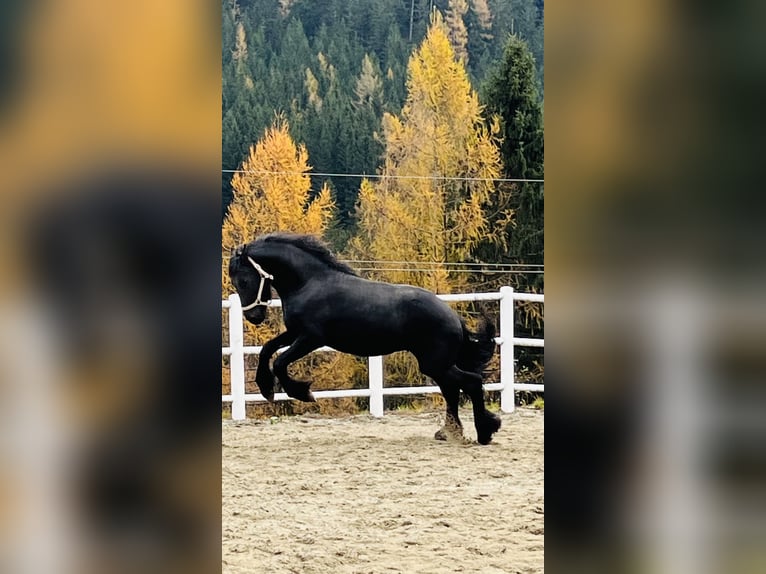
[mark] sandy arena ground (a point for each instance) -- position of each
(360, 495)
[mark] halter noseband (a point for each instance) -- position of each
(264, 276)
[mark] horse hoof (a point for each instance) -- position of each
(489, 426)
(298, 390)
(303, 394)
(445, 433)
(267, 391)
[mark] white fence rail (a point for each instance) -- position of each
(375, 390)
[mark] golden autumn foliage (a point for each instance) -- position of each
(428, 206)
(458, 33)
(272, 193)
(483, 15)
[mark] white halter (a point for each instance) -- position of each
(264, 276)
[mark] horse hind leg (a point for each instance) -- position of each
(432, 365)
(453, 428)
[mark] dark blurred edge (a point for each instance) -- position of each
(11, 13)
(140, 244)
(656, 263)
(122, 250)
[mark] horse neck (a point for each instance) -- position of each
(292, 271)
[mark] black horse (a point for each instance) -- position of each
(324, 302)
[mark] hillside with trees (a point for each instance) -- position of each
(447, 127)
(335, 67)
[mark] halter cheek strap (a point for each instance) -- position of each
(264, 276)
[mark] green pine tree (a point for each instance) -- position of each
(511, 93)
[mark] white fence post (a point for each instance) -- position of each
(376, 386)
(236, 359)
(507, 367)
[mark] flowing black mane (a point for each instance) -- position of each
(312, 246)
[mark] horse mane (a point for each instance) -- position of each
(313, 246)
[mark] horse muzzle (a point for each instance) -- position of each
(256, 315)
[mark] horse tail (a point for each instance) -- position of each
(478, 347)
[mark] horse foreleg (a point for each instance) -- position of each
(264, 378)
(295, 389)
(487, 423)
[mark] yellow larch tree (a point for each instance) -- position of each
(437, 172)
(483, 15)
(457, 32)
(272, 192)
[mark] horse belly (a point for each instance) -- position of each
(370, 335)
(365, 342)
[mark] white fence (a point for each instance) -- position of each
(375, 390)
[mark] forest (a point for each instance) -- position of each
(316, 60)
(438, 103)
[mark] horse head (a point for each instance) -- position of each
(253, 284)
